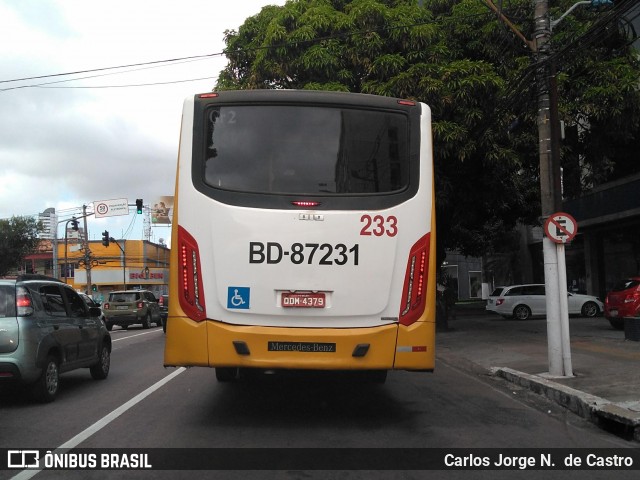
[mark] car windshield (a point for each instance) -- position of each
(626, 284)
(125, 297)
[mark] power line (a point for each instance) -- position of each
(102, 69)
(169, 62)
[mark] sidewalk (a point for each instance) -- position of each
(605, 387)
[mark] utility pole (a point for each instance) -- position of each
(550, 197)
(558, 341)
(87, 252)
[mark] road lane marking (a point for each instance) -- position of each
(136, 335)
(103, 422)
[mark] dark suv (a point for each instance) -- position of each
(47, 329)
(128, 307)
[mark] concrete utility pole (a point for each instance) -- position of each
(558, 341)
(550, 196)
(87, 252)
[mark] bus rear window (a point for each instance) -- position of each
(311, 150)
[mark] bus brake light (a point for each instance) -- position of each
(415, 282)
(191, 288)
(305, 203)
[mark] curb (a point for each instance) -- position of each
(604, 413)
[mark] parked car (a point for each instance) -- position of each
(163, 302)
(129, 307)
(47, 329)
(524, 301)
(491, 301)
(623, 301)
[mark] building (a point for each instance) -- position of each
(607, 247)
(49, 220)
(123, 264)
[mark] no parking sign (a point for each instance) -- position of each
(561, 227)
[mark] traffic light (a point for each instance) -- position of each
(94, 287)
(74, 224)
(139, 205)
(105, 238)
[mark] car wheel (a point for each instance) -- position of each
(226, 374)
(100, 370)
(590, 309)
(109, 326)
(146, 323)
(164, 325)
(46, 387)
(617, 323)
(521, 312)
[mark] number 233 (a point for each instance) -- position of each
(379, 225)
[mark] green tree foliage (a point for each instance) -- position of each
(18, 238)
(474, 73)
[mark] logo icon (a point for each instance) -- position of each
(238, 298)
(23, 459)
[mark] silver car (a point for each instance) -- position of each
(524, 301)
(47, 329)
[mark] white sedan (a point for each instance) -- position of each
(524, 301)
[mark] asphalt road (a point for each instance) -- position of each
(143, 405)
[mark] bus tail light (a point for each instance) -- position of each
(190, 277)
(414, 292)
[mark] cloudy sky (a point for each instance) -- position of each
(65, 143)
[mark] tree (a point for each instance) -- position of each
(474, 73)
(18, 238)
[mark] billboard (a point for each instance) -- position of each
(161, 211)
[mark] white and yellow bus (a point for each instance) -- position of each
(304, 234)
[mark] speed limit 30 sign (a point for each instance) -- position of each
(561, 227)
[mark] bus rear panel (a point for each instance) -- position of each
(304, 233)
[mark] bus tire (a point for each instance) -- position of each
(226, 374)
(378, 376)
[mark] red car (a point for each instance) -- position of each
(623, 301)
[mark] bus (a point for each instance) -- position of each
(303, 234)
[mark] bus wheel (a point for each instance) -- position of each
(226, 374)
(377, 376)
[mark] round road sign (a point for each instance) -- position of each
(561, 227)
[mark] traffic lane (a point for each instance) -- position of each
(136, 363)
(447, 409)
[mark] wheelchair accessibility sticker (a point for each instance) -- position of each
(238, 297)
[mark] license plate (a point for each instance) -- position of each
(303, 300)
(122, 307)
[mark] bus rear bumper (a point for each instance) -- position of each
(219, 344)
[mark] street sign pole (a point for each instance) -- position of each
(564, 311)
(559, 228)
(552, 287)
